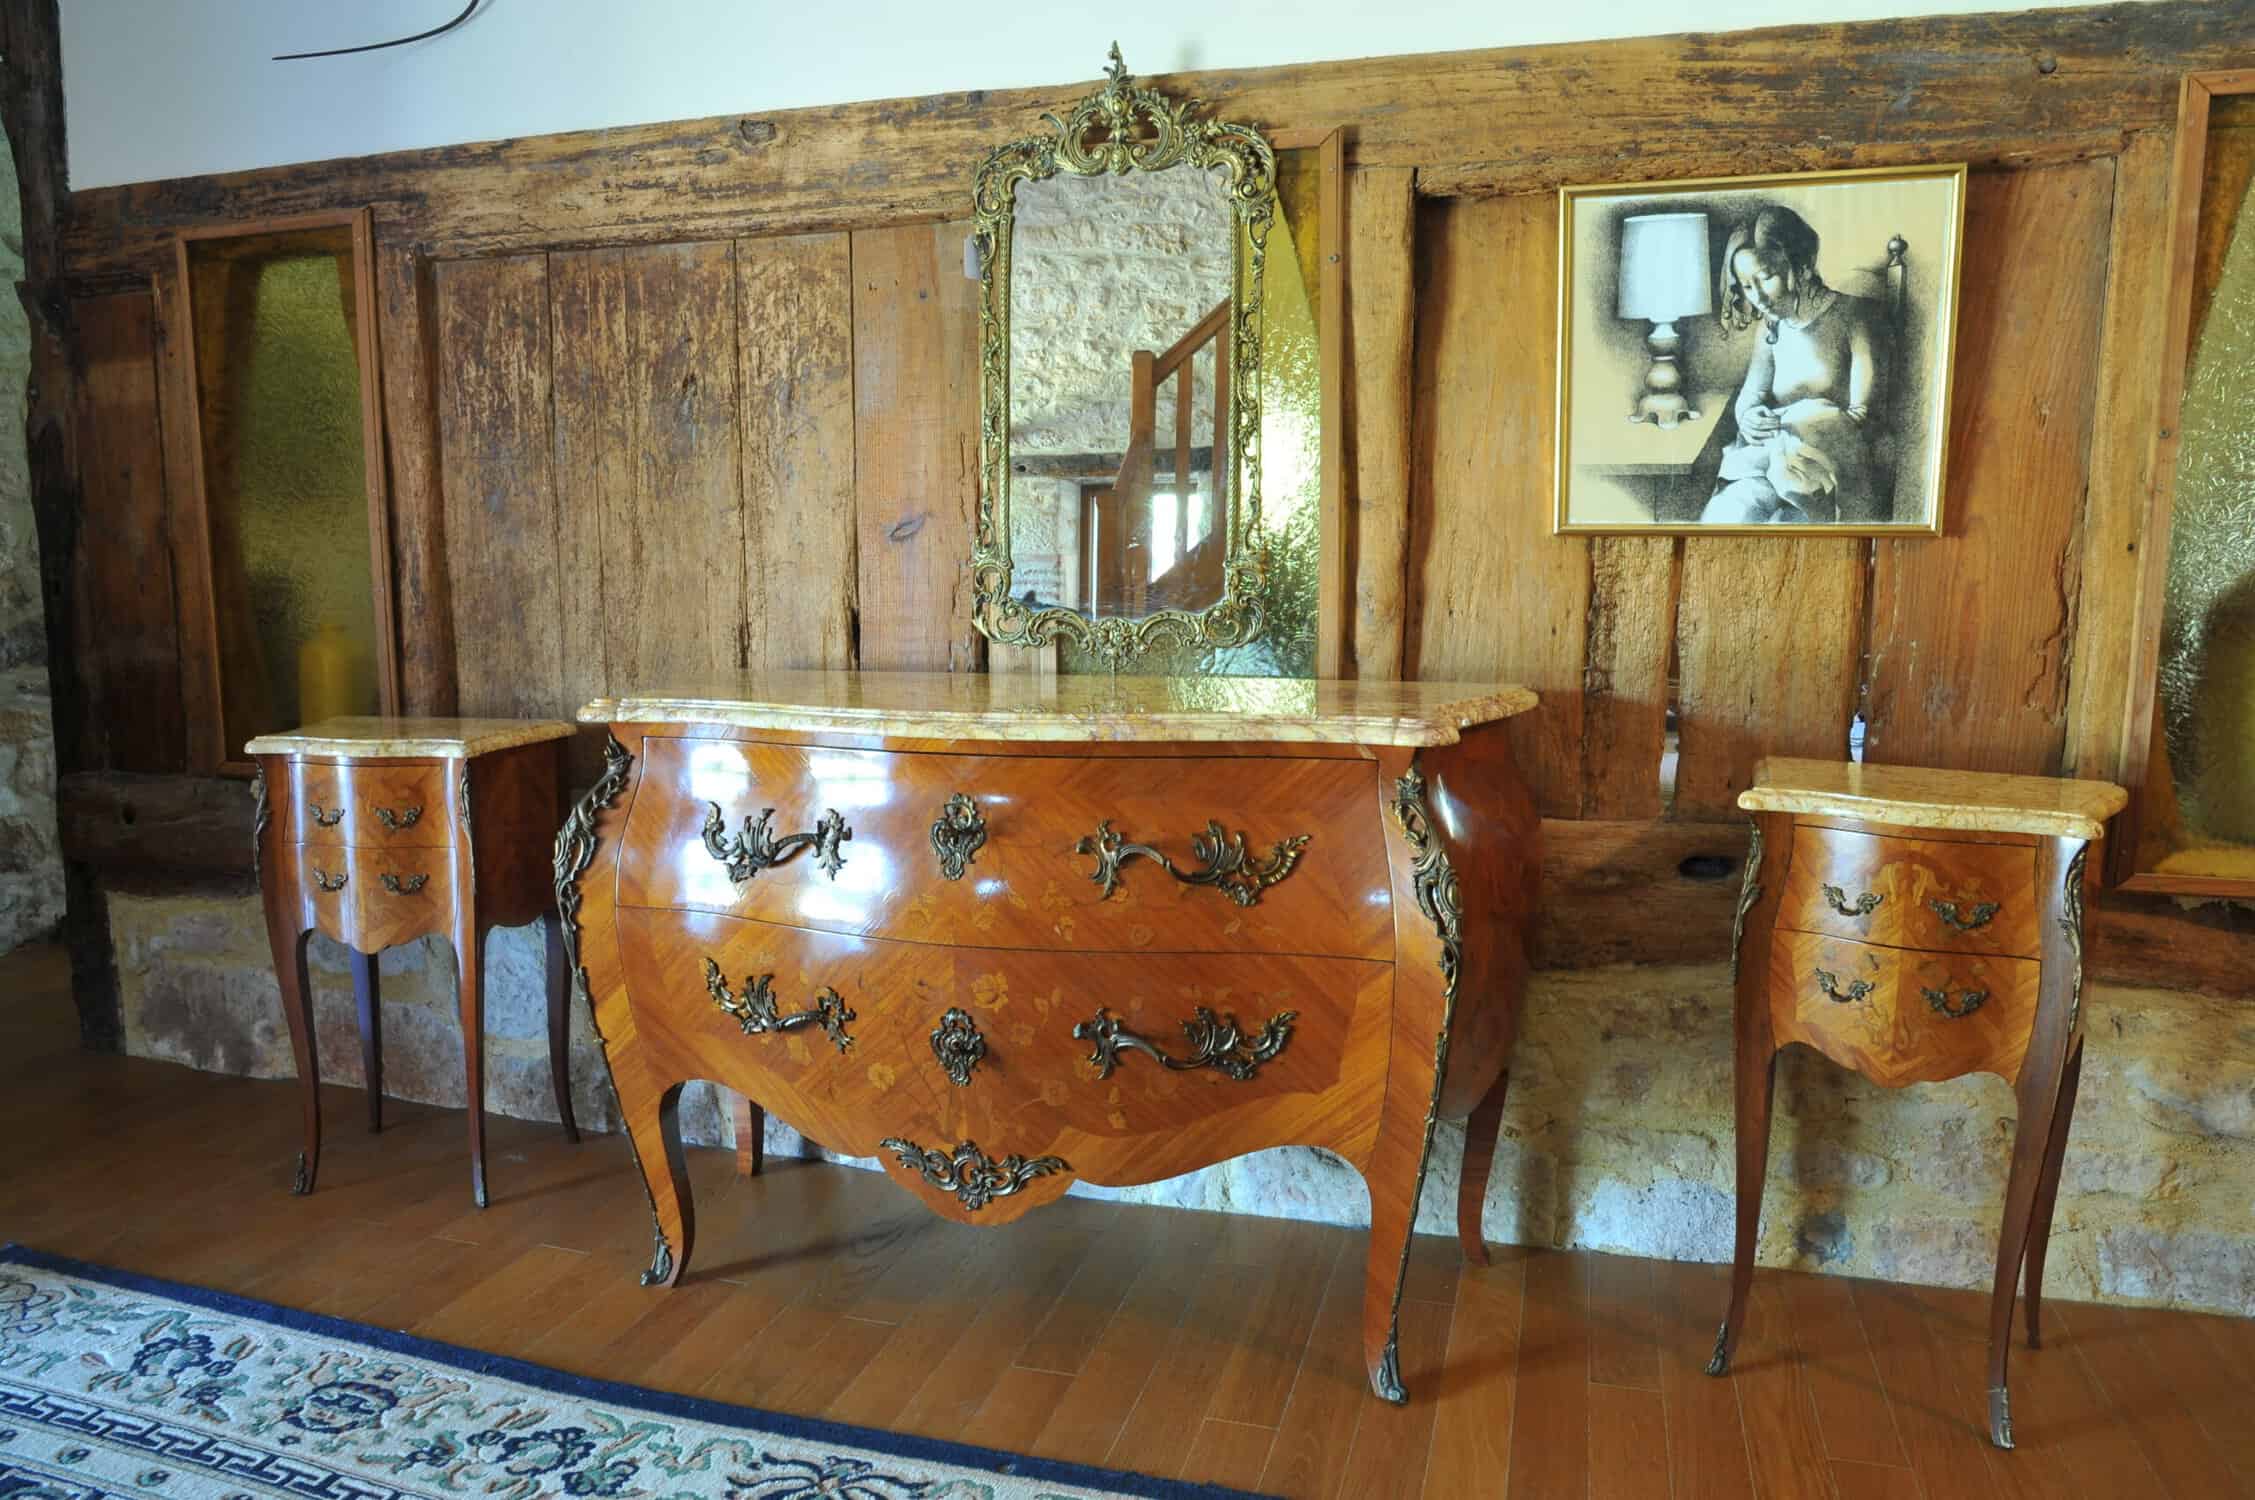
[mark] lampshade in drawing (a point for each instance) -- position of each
(1664, 267)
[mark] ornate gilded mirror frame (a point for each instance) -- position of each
(1119, 129)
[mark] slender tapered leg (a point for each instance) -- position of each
(1757, 1091)
(288, 943)
(1480, 1132)
(751, 1137)
(1753, 1057)
(468, 945)
(560, 1024)
(367, 999)
(653, 1123)
(2047, 1194)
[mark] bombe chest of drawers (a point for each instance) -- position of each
(1004, 934)
(1916, 925)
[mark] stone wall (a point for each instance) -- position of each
(1617, 1137)
(31, 865)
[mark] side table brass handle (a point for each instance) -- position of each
(327, 817)
(1829, 983)
(1964, 919)
(329, 882)
(406, 817)
(1865, 904)
(958, 834)
(1967, 1002)
(1224, 861)
(404, 885)
(1218, 1040)
(755, 1010)
(956, 1042)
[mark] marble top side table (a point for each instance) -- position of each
(379, 831)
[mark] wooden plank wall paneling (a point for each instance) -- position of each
(124, 590)
(794, 338)
(1972, 634)
(504, 571)
(408, 342)
(1493, 595)
(916, 446)
(1632, 612)
(1381, 362)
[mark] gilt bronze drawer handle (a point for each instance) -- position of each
(958, 834)
(1866, 904)
(957, 1044)
(1225, 863)
(1219, 1041)
(1964, 919)
(404, 885)
(327, 817)
(406, 817)
(1829, 983)
(757, 848)
(1967, 1002)
(756, 1012)
(329, 882)
(975, 1178)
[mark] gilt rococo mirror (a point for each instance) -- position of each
(1122, 263)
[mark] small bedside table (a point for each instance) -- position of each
(1914, 926)
(380, 831)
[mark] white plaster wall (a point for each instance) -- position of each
(167, 88)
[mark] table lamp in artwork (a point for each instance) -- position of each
(1664, 277)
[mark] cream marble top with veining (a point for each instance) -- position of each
(1979, 801)
(376, 738)
(975, 706)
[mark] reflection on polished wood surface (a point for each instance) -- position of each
(1207, 1347)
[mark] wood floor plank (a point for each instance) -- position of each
(1476, 1390)
(1628, 1444)
(1393, 1444)
(1082, 1310)
(1330, 1391)
(1621, 1333)
(1020, 1405)
(2142, 1393)
(1853, 1416)
(1173, 1402)
(1854, 1481)
(1706, 1438)
(1550, 1428)
(1938, 1423)
(1774, 1401)
(966, 1375)
(927, 1330)
(1229, 1453)
(1256, 1381)
(1957, 1346)
(2213, 1389)
(807, 1385)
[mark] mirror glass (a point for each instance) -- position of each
(1119, 387)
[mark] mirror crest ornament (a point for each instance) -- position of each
(1118, 130)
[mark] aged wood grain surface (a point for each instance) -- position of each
(407, 336)
(1971, 632)
(188, 526)
(916, 446)
(1769, 636)
(1631, 635)
(504, 572)
(794, 341)
(1939, 89)
(1493, 595)
(125, 620)
(1381, 359)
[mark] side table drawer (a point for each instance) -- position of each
(374, 898)
(1902, 1017)
(332, 805)
(1913, 893)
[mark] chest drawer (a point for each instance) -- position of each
(1190, 854)
(374, 898)
(1902, 1017)
(367, 804)
(1913, 893)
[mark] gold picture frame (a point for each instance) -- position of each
(1758, 355)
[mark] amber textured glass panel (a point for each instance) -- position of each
(285, 483)
(2204, 823)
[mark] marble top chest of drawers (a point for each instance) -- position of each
(1003, 934)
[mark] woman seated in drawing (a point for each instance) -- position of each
(1807, 413)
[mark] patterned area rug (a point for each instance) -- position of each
(120, 1387)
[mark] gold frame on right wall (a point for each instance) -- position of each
(2140, 723)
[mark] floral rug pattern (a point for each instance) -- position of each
(116, 1387)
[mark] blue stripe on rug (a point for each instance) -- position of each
(664, 1403)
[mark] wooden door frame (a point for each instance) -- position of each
(1334, 631)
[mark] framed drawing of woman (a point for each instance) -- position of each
(1758, 354)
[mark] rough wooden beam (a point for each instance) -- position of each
(121, 824)
(2054, 85)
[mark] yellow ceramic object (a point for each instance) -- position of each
(331, 673)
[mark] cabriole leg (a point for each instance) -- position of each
(1480, 1138)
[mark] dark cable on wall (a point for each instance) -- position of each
(379, 46)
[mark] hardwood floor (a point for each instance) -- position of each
(1179, 1343)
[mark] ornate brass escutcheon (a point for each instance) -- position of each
(957, 1044)
(395, 820)
(1864, 905)
(327, 817)
(404, 885)
(757, 848)
(755, 1010)
(1963, 918)
(1829, 983)
(1218, 1040)
(329, 882)
(1224, 861)
(958, 834)
(1966, 1003)
(975, 1178)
